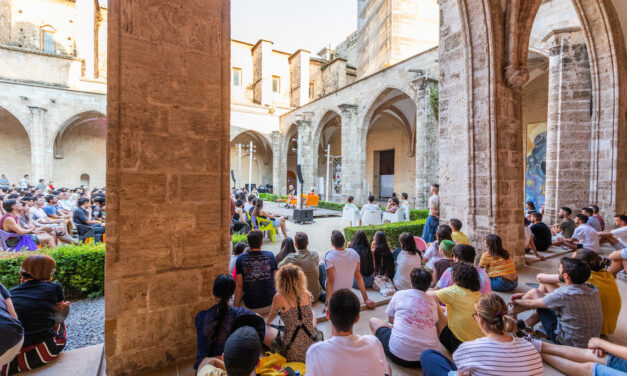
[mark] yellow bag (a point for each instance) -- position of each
(270, 365)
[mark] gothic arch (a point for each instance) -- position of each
(74, 121)
(16, 146)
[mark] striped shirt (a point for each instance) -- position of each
(496, 266)
(485, 357)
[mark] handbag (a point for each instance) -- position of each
(384, 285)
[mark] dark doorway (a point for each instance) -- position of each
(386, 162)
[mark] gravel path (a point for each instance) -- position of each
(85, 325)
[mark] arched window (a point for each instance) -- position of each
(85, 180)
(47, 39)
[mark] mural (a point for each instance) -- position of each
(336, 179)
(535, 168)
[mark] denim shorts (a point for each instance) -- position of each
(502, 285)
(615, 367)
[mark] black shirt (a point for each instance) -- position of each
(34, 303)
(541, 236)
(80, 217)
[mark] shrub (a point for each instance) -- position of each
(416, 214)
(268, 197)
(392, 231)
(331, 205)
(236, 238)
(80, 269)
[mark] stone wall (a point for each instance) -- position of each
(168, 85)
(14, 164)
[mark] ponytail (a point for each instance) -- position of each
(493, 311)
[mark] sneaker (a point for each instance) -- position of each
(622, 275)
(535, 342)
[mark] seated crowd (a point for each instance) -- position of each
(44, 216)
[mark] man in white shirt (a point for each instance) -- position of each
(340, 268)
(433, 221)
(417, 321)
(24, 182)
(618, 236)
(370, 206)
(346, 353)
(584, 236)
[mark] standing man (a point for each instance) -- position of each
(24, 182)
(433, 221)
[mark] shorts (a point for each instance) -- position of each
(276, 222)
(448, 340)
(501, 284)
(615, 366)
(263, 311)
(383, 334)
(623, 253)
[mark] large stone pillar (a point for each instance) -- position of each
(353, 154)
(279, 164)
(167, 176)
(86, 37)
(305, 152)
(568, 124)
(427, 154)
(263, 66)
(40, 152)
(299, 78)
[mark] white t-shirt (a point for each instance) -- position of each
(587, 236)
(344, 264)
(415, 318)
(405, 263)
(485, 357)
(433, 254)
(434, 205)
(37, 213)
(23, 183)
(528, 235)
(621, 235)
(347, 355)
(370, 207)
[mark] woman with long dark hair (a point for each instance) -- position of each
(277, 220)
(287, 247)
(383, 259)
(499, 265)
(366, 261)
(213, 325)
(408, 259)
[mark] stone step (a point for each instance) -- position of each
(81, 362)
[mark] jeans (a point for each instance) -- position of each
(428, 232)
(435, 363)
(396, 252)
(501, 284)
(368, 281)
(548, 318)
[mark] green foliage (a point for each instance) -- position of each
(79, 269)
(236, 238)
(268, 197)
(392, 231)
(416, 214)
(434, 100)
(330, 205)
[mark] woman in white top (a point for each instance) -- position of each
(408, 259)
(497, 354)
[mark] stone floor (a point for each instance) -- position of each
(319, 234)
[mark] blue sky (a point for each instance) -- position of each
(294, 24)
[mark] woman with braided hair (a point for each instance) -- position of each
(497, 354)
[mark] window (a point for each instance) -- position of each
(236, 77)
(276, 84)
(47, 41)
(311, 90)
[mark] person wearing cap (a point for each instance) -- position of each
(346, 353)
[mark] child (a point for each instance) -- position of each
(238, 249)
(458, 236)
(446, 247)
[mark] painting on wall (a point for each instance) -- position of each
(535, 166)
(336, 178)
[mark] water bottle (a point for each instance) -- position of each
(297, 373)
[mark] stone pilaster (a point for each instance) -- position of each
(568, 154)
(40, 154)
(353, 155)
(262, 72)
(167, 168)
(427, 154)
(299, 78)
(85, 39)
(279, 165)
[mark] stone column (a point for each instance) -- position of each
(305, 150)
(427, 155)
(86, 37)
(568, 124)
(167, 176)
(262, 72)
(299, 78)
(279, 164)
(353, 155)
(40, 154)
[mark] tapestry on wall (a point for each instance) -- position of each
(336, 178)
(535, 168)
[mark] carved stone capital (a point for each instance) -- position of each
(516, 77)
(348, 110)
(520, 15)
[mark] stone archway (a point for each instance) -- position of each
(289, 159)
(262, 159)
(328, 134)
(15, 147)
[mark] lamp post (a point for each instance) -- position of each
(239, 165)
(327, 178)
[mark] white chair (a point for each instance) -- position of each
(393, 217)
(371, 217)
(349, 217)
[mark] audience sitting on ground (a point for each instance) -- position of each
(407, 260)
(213, 325)
(457, 235)
(601, 358)
(9, 223)
(55, 233)
(293, 304)
(584, 236)
(240, 220)
(393, 205)
(465, 253)
(84, 220)
(414, 322)
(41, 308)
(498, 264)
(340, 267)
(592, 220)
(460, 299)
(366, 261)
(346, 353)
(566, 227)
(255, 271)
(287, 248)
(11, 330)
(570, 314)
(52, 210)
(369, 206)
(541, 233)
(433, 253)
(446, 248)
(277, 220)
(383, 259)
(308, 261)
(238, 249)
(497, 352)
(40, 218)
(530, 208)
(595, 211)
(617, 237)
